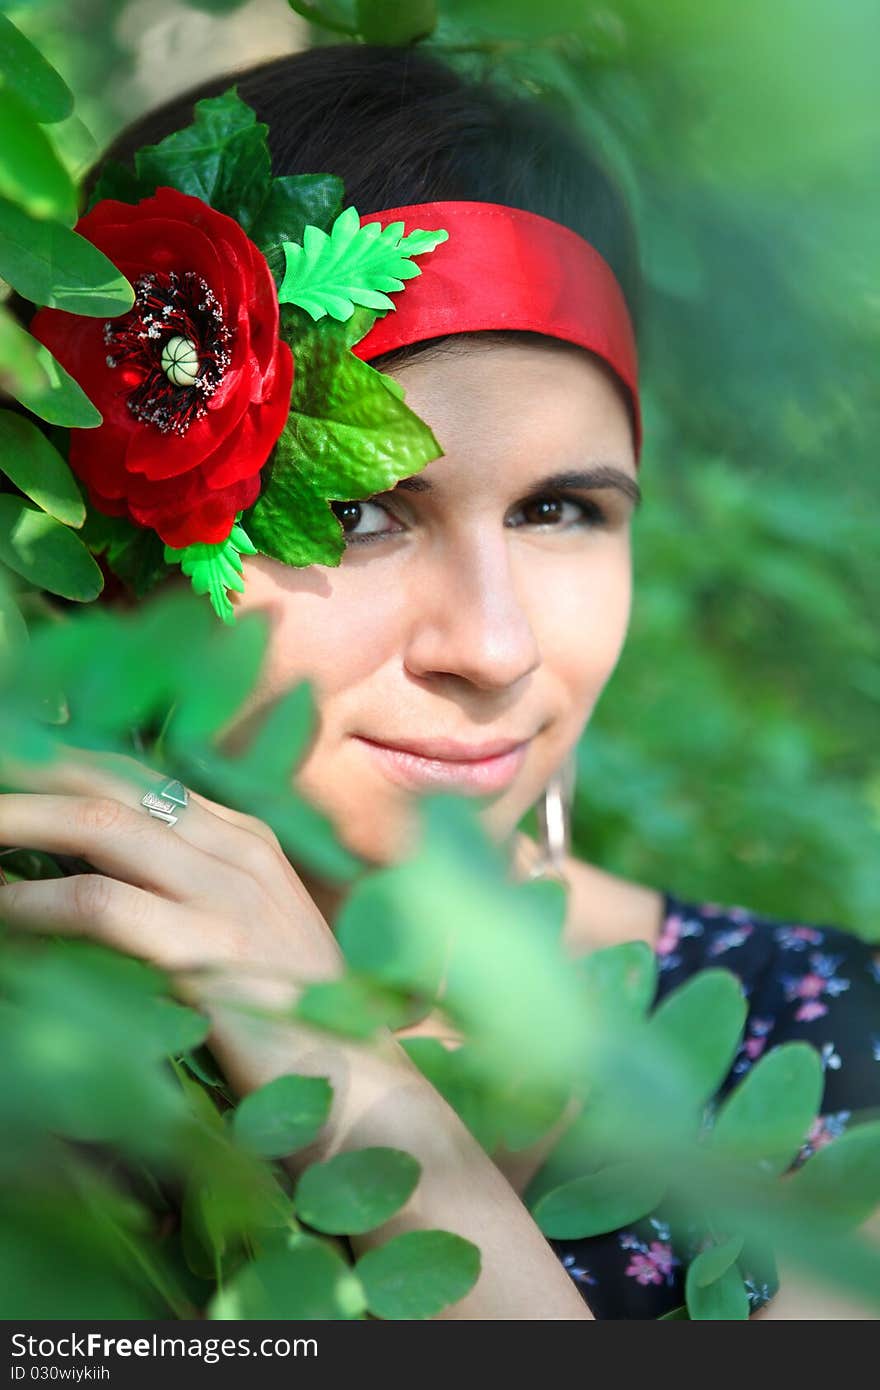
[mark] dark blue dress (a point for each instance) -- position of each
(817, 984)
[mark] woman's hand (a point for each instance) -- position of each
(215, 890)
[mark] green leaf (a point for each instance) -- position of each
(221, 158)
(134, 553)
(50, 265)
(355, 1007)
(38, 470)
(724, 1300)
(46, 553)
(307, 1280)
(418, 1274)
(31, 174)
(599, 1202)
(118, 181)
(180, 1027)
(294, 202)
(284, 733)
(20, 366)
(329, 274)
(215, 568)
(452, 1072)
(356, 1191)
(283, 1116)
(619, 981)
(714, 1261)
(842, 1180)
(335, 15)
(25, 72)
(347, 437)
(766, 1118)
(13, 639)
(62, 401)
(699, 1025)
(396, 21)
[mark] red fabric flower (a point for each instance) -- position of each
(193, 382)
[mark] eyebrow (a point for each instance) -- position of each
(599, 475)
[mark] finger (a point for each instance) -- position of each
(231, 836)
(117, 840)
(114, 913)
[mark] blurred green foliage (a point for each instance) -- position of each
(126, 1156)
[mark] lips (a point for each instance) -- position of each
(472, 768)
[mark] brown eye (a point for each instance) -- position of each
(348, 514)
(359, 520)
(550, 512)
(543, 509)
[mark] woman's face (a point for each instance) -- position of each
(476, 604)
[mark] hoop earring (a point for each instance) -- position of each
(554, 822)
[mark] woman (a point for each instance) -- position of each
(478, 612)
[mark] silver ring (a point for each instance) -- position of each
(163, 803)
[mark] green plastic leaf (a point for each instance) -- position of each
(26, 72)
(215, 568)
(221, 158)
(356, 1191)
(418, 1274)
(294, 202)
(766, 1119)
(62, 401)
(31, 174)
(46, 553)
(724, 1300)
(118, 181)
(330, 274)
(599, 1202)
(347, 436)
(38, 470)
(842, 1180)
(700, 1025)
(307, 1280)
(283, 1116)
(50, 265)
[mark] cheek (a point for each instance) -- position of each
(581, 624)
(325, 627)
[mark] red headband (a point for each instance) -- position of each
(506, 268)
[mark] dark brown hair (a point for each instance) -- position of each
(399, 126)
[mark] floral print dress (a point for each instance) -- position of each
(817, 984)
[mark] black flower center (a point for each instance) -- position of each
(176, 337)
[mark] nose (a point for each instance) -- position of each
(469, 619)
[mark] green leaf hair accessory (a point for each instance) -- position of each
(349, 435)
(329, 274)
(234, 409)
(215, 568)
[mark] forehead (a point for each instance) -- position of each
(518, 402)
